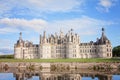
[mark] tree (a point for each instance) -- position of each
(116, 51)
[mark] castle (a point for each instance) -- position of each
(63, 46)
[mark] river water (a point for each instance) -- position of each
(46, 76)
(58, 74)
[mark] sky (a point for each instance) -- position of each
(32, 17)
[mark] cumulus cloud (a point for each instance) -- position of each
(16, 24)
(8, 30)
(83, 23)
(105, 5)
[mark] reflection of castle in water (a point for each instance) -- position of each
(61, 76)
(60, 71)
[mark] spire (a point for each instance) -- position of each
(44, 34)
(40, 39)
(56, 35)
(44, 37)
(20, 38)
(71, 30)
(103, 31)
(61, 33)
(103, 38)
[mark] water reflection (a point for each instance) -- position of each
(47, 74)
(62, 76)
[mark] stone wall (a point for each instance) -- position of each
(70, 64)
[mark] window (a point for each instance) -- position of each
(110, 54)
(107, 49)
(107, 55)
(75, 55)
(95, 50)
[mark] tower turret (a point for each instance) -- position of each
(44, 37)
(61, 34)
(103, 33)
(20, 41)
(40, 39)
(103, 38)
(20, 38)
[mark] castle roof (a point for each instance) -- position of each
(103, 38)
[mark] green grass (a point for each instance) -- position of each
(62, 60)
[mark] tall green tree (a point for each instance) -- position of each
(116, 51)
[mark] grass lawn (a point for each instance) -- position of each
(62, 60)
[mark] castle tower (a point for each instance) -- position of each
(44, 37)
(103, 39)
(18, 47)
(105, 48)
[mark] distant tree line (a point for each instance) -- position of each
(116, 51)
(6, 56)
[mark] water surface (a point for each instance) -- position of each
(80, 74)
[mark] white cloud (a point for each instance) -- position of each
(105, 5)
(30, 7)
(56, 5)
(8, 30)
(6, 6)
(84, 23)
(14, 25)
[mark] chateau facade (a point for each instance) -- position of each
(63, 46)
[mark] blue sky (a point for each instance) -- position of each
(32, 17)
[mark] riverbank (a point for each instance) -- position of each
(59, 65)
(64, 60)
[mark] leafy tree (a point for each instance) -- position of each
(6, 56)
(116, 51)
